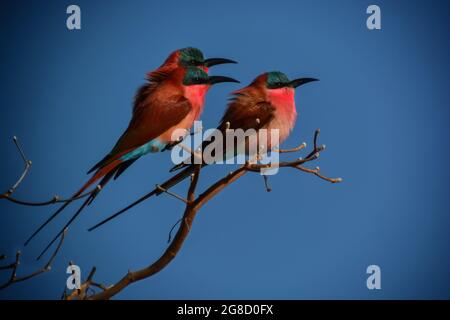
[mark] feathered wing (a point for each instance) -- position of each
(142, 101)
(150, 120)
(247, 110)
(154, 81)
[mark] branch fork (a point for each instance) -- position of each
(192, 203)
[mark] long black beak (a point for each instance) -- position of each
(215, 61)
(218, 79)
(301, 81)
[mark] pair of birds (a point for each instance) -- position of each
(173, 98)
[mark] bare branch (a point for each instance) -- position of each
(197, 156)
(192, 205)
(195, 176)
(54, 200)
(296, 149)
(316, 172)
(14, 266)
(190, 212)
(27, 164)
(82, 292)
(176, 196)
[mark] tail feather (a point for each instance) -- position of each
(100, 163)
(47, 221)
(102, 183)
(99, 174)
(166, 185)
(124, 166)
(86, 203)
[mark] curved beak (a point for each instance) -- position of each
(215, 61)
(301, 81)
(218, 79)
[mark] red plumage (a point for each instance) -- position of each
(160, 105)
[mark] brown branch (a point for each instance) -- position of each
(316, 172)
(15, 265)
(82, 292)
(169, 254)
(173, 194)
(193, 205)
(172, 250)
(296, 149)
(54, 200)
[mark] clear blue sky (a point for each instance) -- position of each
(382, 104)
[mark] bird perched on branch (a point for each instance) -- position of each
(172, 99)
(267, 103)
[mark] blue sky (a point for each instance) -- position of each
(381, 103)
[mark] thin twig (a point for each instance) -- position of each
(296, 149)
(316, 172)
(196, 155)
(47, 267)
(8, 194)
(99, 285)
(314, 154)
(192, 205)
(176, 196)
(82, 292)
(54, 200)
(27, 164)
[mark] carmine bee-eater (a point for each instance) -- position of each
(172, 99)
(267, 103)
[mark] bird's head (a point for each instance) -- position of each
(197, 76)
(193, 57)
(278, 80)
(277, 87)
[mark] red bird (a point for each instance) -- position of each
(173, 98)
(267, 103)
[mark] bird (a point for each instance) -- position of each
(173, 98)
(268, 102)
